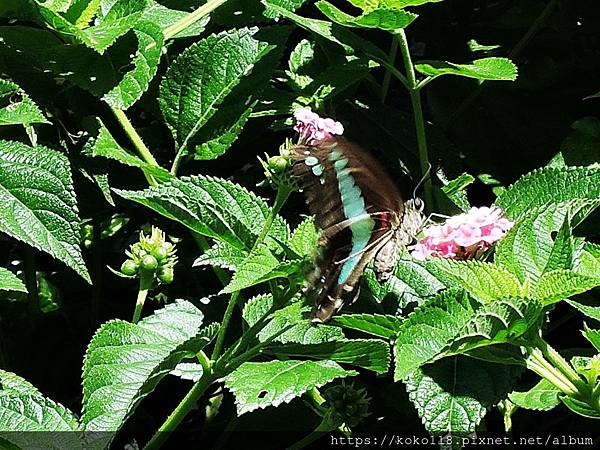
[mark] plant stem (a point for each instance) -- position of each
(564, 367)
(192, 18)
(538, 364)
(415, 97)
(388, 73)
(223, 328)
(179, 413)
(324, 427)
(145, 284)
(282, 194)
(135, 138)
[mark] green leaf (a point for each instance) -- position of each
(223, 256)
(124, 362)
(16, 108)
(587, 261)
(371, 354)
(301, 333)
(492, 68)
(288, 5)
(302, 55)
(475, 46)
(106, 146)
(10, 282)
(428, 330)
(30, 420)
(164, 17)
(485, 281)
(549, 185)
(593, 312)
(258, 267)
(593, 336)
(226, 126)
(212, 207)
(350, 42)
(202, 76)
(528, 249)
(121, 18)
(452, 395)
(502, 321)
(304, 238)
(381, 18)
(560, 284)
(391, 4)
(188, 371)
(456, 190)
(561, 255)
(261, 384)
(81, 12)
(37, 184)
(580, 407)
(145, 63)
(376, 324)
(544, 396)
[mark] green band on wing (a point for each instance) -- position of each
(353, 204)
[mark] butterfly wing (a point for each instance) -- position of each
(357, 207)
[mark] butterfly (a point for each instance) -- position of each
(361, 216)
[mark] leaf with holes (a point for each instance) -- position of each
(371, 354)
(549, 185)
(124, 362)
(485, 281)
(260, 384)
(202, 76)
(41, 209)
(16, 108)
(212, 207)
(492, 68)
(10, 282)
(429, 329)
(145, 63)
(453, 395)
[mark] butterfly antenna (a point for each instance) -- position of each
(422, 180)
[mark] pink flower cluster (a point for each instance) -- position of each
(463, 236)
(313, 128)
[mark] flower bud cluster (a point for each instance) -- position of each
(346, 404)
(151, 255)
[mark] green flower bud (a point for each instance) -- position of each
(160, 253)
(129, 267)
(165, 274)
(149, 262)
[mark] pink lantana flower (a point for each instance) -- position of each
(313, 128)
(463, 236)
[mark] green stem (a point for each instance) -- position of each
(192, 18)
(538, 364)
(179, 413)
(145, 284)
(135, 138)
(223, 328)
(415, 98)
(282, 194)
(388, 73)
(564, 367)
(324, 427)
